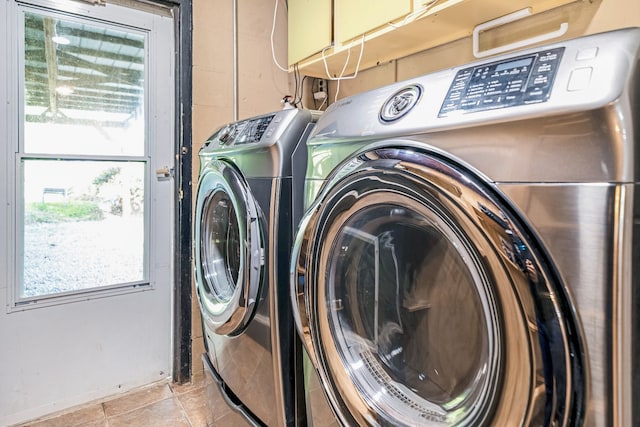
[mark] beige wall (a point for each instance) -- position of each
(584, 17)
(261, 85)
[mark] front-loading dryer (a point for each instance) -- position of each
(243, 233)
(470, 248)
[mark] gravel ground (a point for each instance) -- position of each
(67, 256)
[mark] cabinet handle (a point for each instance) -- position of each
(519, 14)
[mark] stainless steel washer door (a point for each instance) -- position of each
(228, 249)
(425, 302)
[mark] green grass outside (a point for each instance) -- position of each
(60, 211)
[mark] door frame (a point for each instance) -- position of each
(183, 271)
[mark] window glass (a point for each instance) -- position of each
(83, 225)
(83, 88)
(82, 164)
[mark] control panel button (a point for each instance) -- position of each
(588, 53)
(579, 79)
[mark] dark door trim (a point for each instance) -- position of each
(183, 13)
(183, 262)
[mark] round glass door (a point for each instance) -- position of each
(228, 249)
(409, 304)
(428, 304)
(220, 246)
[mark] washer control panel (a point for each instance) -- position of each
(243, 132)
(526, 79)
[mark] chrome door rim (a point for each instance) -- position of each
(231, 314)
(464, 193)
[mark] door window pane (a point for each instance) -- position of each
(83, 89)
(82, 159)
(83, 225)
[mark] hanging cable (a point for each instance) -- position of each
(295, 87)
(335, 98)
(324, 101)
(300, 95)
(298, 86)
(273, 29)
(314, 84)
(236, 79)
(344, 67)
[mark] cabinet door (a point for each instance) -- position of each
(355, 17)
(309, 28)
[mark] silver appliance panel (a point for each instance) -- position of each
(591, 120)
(563, 154)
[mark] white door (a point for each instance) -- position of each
(86, 224)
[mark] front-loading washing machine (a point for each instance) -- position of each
(470, 251)
(250, 173)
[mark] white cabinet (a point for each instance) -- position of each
(352, 18)
(309, 28)
(386, 29)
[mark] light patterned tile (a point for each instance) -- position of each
(103, 423)
(165, 413)
(194, 404)
(137, 399)
(198, 380)
(197, 349)
(79, 417)
(231, 419)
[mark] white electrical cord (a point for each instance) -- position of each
(323, 103)
(341, 77)
(273, 29)
(409, 18)
(344, 67)
(324, 58)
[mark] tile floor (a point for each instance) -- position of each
(197, 404)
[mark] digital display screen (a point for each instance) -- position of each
(244, 132)
(251, 131)
(514, 64)
(516, 81)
